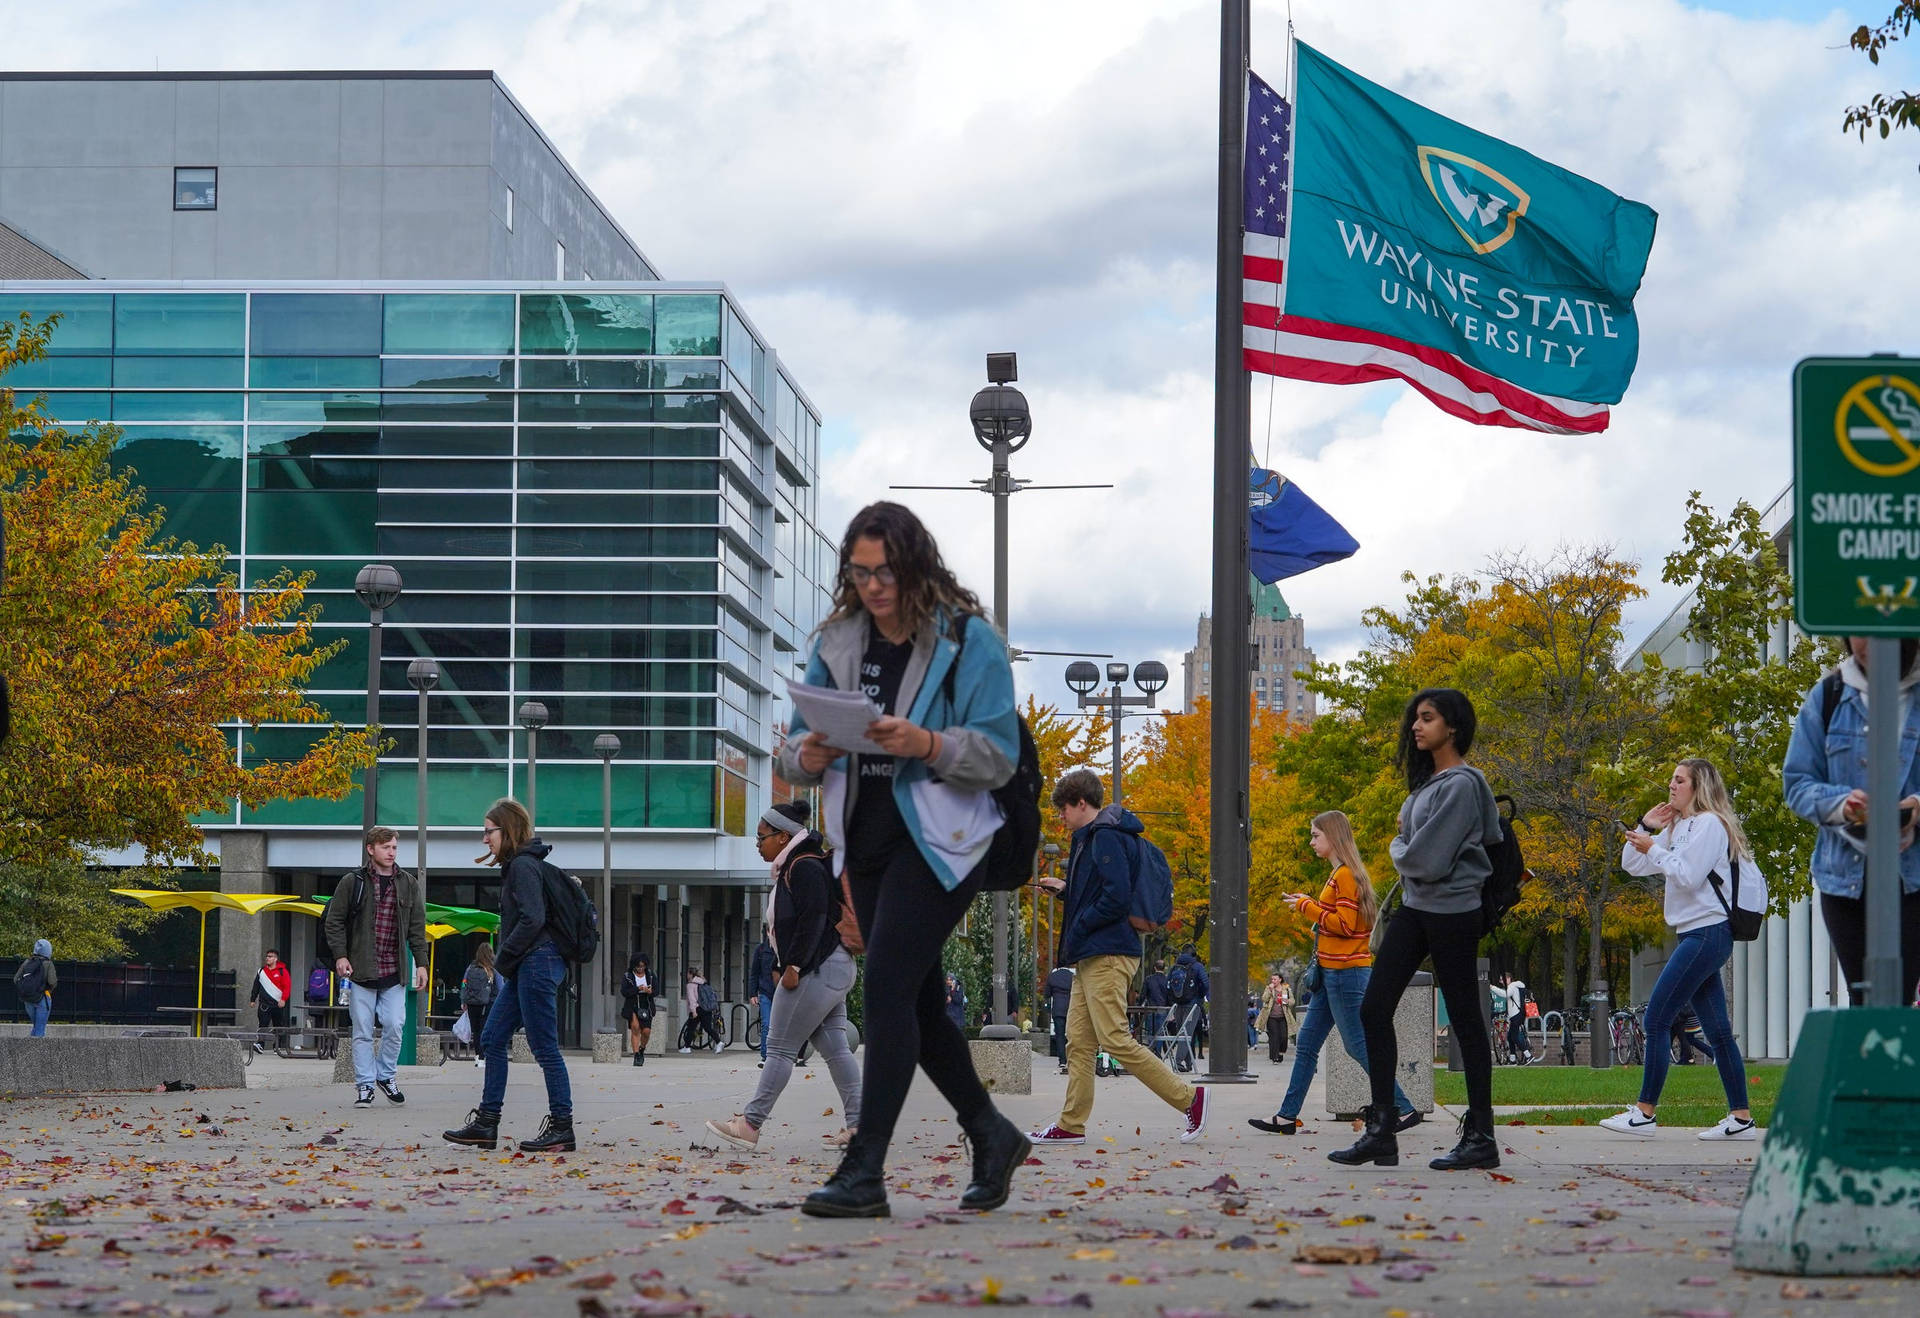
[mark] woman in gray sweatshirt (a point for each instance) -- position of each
(1446, 823)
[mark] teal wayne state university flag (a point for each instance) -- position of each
(1385, 241)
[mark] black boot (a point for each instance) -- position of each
(999, 1148)
(1378, 1145)
(482, 1131)
(858, 1188)
(1477, 1147)
(556, 1136)
(639, 1058)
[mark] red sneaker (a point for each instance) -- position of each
(1057, 1135)
(1196, 1116)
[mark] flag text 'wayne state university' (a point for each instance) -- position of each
(1385, 241)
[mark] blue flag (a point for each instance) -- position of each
(1290, 533)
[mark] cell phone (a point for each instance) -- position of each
(1624, 828)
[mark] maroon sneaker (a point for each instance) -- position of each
(1196, 1116)
(1056, 1134)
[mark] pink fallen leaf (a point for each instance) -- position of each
(1360, 1289)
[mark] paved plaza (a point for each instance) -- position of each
(285, 1197)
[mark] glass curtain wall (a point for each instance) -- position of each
(589, 497)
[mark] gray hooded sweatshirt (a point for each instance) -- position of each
(1441, 852)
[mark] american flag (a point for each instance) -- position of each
(1275, 343)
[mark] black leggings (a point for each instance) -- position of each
(1846, 921)
(1453, 941)
(905, 917)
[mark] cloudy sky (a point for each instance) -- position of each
(897, 187)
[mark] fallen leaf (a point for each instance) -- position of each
(1342, 1254)
(1360, 1290)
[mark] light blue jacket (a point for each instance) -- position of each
(947, 804)
(1819, 772)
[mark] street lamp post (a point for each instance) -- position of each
(533, 717)
(378, 587)
(1150, 676)
(424, 674)
(606, 746)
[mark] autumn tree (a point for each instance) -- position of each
(126, 651)
(1885, 111)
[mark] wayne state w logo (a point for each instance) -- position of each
(1484, 204)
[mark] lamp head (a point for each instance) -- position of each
(1116, 672)
(533, 716)
(606, 745)
(377, 585)
(424, 674)
(999, 414)
(1082, 676)
(1051, 849)
(1150, 676)
(1003, 367)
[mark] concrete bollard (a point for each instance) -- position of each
(1005, 1066)
(610, 1046)
(1347, 1088)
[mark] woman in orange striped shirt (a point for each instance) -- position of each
(1343, 918)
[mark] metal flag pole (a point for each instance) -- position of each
(1232, 604)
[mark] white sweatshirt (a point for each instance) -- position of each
(1684, 853)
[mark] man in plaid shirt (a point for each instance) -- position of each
(372, 909)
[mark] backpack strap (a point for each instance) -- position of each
(1713, 877)
(1831, 687)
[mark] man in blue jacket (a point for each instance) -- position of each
(760, 978)
(1188, 989)
(1099, 939)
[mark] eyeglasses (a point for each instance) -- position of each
(489, 831)
(765, 836)
(860, 576)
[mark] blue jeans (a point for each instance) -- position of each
(1336, 1004)
(531, 1000)
(390, 1006)
(1692, 977)
(37, 1011)
(766, 1022)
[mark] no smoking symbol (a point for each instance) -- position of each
(1891, 406)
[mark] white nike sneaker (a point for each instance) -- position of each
(1631, 1122)
(1731, 1128)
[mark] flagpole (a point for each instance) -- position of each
(1232, 605)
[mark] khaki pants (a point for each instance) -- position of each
(1097, 1022)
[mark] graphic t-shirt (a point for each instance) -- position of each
(876, 827)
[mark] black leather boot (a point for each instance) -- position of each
(482, 1131)
(858, 1188)
(999, 1148)
(1378, 1145)
(556, 1136)
(1477, 1147)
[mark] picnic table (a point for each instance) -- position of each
(202, 1016)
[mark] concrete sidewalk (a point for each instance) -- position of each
(284, 1196)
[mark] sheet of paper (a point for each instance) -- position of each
(840, 716)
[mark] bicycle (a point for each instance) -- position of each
(1629, 1035)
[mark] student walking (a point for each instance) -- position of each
(1153, 995)
(1825, 777)
(1273, 1012)
(957, 1003)
(477, 988)
(34, 981)
(1343, 918)
(813, 972)
(1518, 1048)
(1098, 939)
(1698, 841)
(529, 972)
(1188, 988)
(1059, 1003)
(911, 825)
(377, 911)
(1446, 824)
(637, 1005)
(760, 976)
(272, 991)
(703, 1011)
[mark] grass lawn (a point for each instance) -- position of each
(1580, 1096)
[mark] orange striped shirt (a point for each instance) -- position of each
(1343, 930)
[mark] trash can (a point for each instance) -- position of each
(1347, 1088)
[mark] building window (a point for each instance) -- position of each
(559, 260)
(509, 210)
(193, 188)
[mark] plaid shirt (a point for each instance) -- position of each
(386, 927)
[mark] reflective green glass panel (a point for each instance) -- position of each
(446, 542)
(475, 510)
(585, 373)
(180, 324)
(446, 373)
(203, 518)
(342, 442)
(445, 474)
(616, 542)
(586, 323)
(314, 372)
(315, 810)
(448, 323)
(317, 408)
(316, 324)
(180, 457)
(687, 326)
(86, 319)
(655, 644)
(418, 574)
(581, 407)
(181, 406)
(474, 441)
(414, 609)
(59, 373)
(687, 409)
(425, 406)
(618, 509)
(686, 375)
(680, 796)
(306, 472)
(591, 676)
(540, 574)
(178, 372)
(311, 521)
(591, 474)
(618, 442)
(570, 795)
(75, 409)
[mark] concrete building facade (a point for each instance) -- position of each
(1279, 658)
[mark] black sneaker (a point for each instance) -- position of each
(392, 1091)
(363, 1096)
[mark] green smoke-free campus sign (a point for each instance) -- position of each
(1856, 496)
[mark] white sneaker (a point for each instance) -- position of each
(737, 1131)
(686, 1050)
(1631, 1122)
(1731, 1128)
(719, 1047)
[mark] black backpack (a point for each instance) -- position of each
(573, 920)
(1502, 890)
(323, 948)
(30, 980)
(1179, 984)
(1009, 863)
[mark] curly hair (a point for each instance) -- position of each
(923, 578)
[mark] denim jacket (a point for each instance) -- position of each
(947, 805)
(1819, 772)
